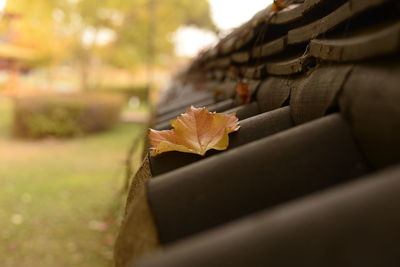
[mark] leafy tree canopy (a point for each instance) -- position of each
(74, 29)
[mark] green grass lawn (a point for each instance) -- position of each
(59, 198)
(5, 117)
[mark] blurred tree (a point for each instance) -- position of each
(169, 16)
(35, 29)
(115, 32)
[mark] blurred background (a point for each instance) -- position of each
(77, 78)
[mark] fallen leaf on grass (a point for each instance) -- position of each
(17, 219)
(195, 131)
(98, 226)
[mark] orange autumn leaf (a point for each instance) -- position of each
(195, 131)
(281, 4)
(243, 92)
(278, 6)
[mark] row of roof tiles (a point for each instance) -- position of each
(305, 181)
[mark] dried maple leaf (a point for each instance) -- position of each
(243, 92)
(195, 131)
(281, 4)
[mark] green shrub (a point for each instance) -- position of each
(65, 115)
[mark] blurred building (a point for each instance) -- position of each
(14, 59)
